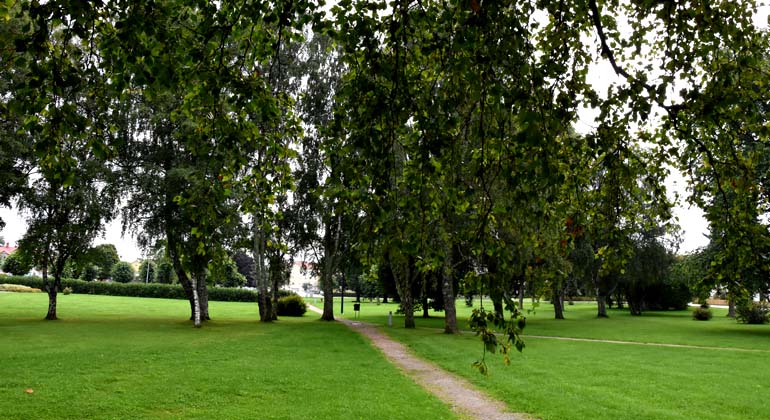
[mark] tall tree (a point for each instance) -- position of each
(64, 114)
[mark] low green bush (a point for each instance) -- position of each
(292, 305)
(702, 313)
(753, 313)
(151, 290)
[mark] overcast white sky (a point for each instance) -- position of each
(691, 220)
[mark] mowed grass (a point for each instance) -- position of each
(130, 358)
(557, 379)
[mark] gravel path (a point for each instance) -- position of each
(464, 398)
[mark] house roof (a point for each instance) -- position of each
(7, 249)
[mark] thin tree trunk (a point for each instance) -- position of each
(404, 285)
(181, 274)
(331, 246)
(52, 290)
(196, 305)
(447, 290)
(203, 298)
(407, 304)
(601, 304)
(263, 299)
(730, 307)
(425, 308)
(521, 297)
(496, 296)
(328, 290)
(558, 303)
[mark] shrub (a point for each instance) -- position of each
(753, 313)
(67, 290)
(291, 306)
(702, 313)
(122, 272)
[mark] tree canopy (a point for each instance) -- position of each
(441, 144)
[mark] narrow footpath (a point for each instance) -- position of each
(464, 398)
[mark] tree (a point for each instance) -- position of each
(166, 273)
(58, 106)
(123, 272)
(103, 256)
(224, 272)
(246, 267)
(18, 263)
(148, 272)
(90, 273)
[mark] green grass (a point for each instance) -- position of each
(126, 358)
(555, 379)
(673, 327)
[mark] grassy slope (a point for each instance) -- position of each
(112, 357)
(573, 380)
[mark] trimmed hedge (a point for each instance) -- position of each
(150, 290)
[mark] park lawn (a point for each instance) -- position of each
(117, 357)
(554, 379)
(671, 327)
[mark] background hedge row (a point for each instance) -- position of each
(151, 290)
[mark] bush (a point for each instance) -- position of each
(753, 313)
(122, 272)
(291, 306)
(702, 313)
(67, 290)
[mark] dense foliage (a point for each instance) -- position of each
(292, 305)
(427, 147)
(123, 272)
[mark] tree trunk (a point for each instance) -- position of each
(730, 307)
(407, 304)
(274, 303)
(602, 304)
(425, 308)
(181, 274)
(619, 300)
(385, 297)
(521, 297)
(496, 296)
(558, 303)
(196, 305)
(328, 290)
(447, 291)
(52, 290)
(203, 298)
(260, 274)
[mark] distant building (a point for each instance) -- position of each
(6, 250)
(297, 279)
